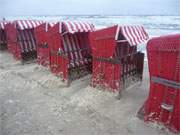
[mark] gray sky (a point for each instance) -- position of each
(86, 7)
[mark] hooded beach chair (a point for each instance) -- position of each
(116, 59)
(42, 38)
(70, 50)
(21, 39)
(163, 103)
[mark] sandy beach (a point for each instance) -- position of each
(34, 101)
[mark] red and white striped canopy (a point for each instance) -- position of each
(27, 24)
(2, 24)
(133, 34)
(73, 27)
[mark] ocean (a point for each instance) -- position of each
(155, 25)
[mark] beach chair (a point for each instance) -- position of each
(163, 103)
(43, 49)
(116, 60)
(69, 49)
(21, 39)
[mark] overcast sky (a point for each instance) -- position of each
(87, 7)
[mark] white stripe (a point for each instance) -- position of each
(33, 23)
(78, 46)
(2, 24)
(117, 32)
(33, 40)
(60, 27)
(40, 22)
(138, 35)
(25, 24)
(20, 25)
(75, 49)
(46, 27)
(144, 36)
(126, 34)
(74, 27)
(131, 35)
(70, 49)
(69, 45)
(52, 24)
(29, 40)
(134, 38)
(21, 44)
(29, 24)
(84, 27)
(91, 26)
(81, 27)
(141, 33)
(36, 23)
(88, 25)
(143, 39)
(24, 41)
(69, 27)
(66, 25)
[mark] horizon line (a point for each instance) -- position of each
(95, 15)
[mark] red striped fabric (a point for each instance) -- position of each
(133, 34)
(2, 24)
(72, 27)
(72, 46)
(72, 43)
(26, 40)
(27, 24)
(71, 51)
(32, 39)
